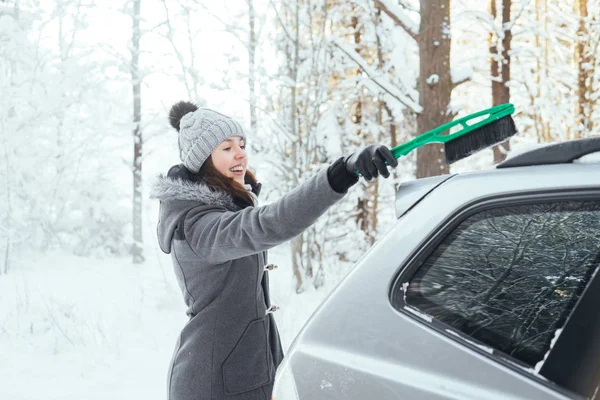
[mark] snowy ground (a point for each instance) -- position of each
(79, 328)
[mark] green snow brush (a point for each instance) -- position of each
(478, 131)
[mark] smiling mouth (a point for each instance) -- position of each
(238, 168)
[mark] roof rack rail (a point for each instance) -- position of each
(556, 153)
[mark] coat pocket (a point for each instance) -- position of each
(247, 366)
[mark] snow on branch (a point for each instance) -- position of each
(282, 23)
(461, 75)
(479, 16)
(397, 14)
(374, 76)
(516, 16)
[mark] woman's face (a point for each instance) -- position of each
(229, 158)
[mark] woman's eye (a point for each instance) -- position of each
(243, 147)
(227, 148)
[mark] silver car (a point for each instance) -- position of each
(487, 287)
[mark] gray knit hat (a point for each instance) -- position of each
(201, 130)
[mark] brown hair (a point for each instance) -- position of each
(216, 180)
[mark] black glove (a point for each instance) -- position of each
(339, 179)
(371, 161)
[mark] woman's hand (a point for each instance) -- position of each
(371, 161)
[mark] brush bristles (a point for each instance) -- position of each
(479, 139)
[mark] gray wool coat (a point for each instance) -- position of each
(230, 347)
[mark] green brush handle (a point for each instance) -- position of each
(435, 135)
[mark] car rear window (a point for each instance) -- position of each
(510, 276)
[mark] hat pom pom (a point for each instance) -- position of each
(179, 110)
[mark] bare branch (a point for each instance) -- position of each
(460, 82)
(397, 17)
(281, 23)
(524, 5)
(233, 29)
(385, 86)
(180, 57)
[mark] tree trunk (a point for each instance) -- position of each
(137, 137)
(583, 59)
(546, 65)
(536, 115)
(8, 224)
(382, 104)
(252, 66)
(542, 127)
(8, 221)
(500, 69)
(297, 242)
(435, 82)
(357, 107)
(366, 213)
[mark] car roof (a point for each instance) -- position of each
(551, 167)
(473, 185)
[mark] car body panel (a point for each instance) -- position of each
(410, 193)
(357, 346)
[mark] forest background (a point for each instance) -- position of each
(86, 296)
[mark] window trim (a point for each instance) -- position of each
(562, 363)
(415, 260)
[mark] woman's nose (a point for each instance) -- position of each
(240, 153)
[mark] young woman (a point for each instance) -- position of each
(218, 238)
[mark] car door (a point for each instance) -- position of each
(516, 279)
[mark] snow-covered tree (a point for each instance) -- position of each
(56, 157)
(500, 41)
(431, 29)
(296, 115)
(136, 82)
(587, 57)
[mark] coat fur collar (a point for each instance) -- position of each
(175, 188)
